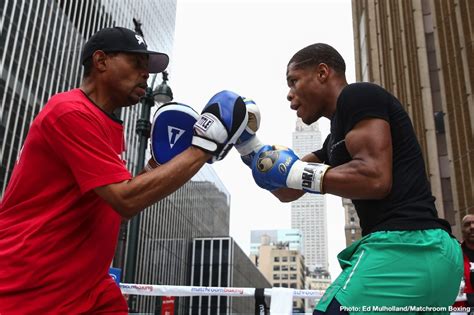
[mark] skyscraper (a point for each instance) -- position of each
(200, 208)
(422, 51)
(308, 214)
(352, 225)
(219, 262)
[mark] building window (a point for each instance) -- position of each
(284, 285)
(292, 268)
(284, 259)
(276, 277)
(276, 259)
(283, 268)
(276, 268)
(293, 276)
(293, 259)
(276, 285)
(284, 276)
(293, 286)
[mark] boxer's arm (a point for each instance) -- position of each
(367, 176)
(288, 194)
(131, 196)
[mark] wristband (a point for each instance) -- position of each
(307, 176)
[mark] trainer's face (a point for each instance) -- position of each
(305, 94)
(468, 229)
(127, 75)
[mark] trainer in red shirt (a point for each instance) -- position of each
(69, 190)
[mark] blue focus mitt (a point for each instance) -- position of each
(171, 130)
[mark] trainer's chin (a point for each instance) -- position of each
(141, 92)
(135, 97)
(132, 100)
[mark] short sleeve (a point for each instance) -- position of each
(361, 101)
(322, 153)
(86, 147)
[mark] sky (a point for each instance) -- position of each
(244, 46)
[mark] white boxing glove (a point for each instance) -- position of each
(248, 144)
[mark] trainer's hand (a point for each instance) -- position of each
(221, 123)
(248, 144)
(278, 167)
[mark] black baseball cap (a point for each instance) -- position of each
(120, 39)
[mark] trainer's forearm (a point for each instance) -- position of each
(130, 197)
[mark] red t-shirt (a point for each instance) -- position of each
(57, 236)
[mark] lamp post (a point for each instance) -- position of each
(162, 94)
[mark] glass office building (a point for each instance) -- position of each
(39, 56)
(199, 209)
(220, 262)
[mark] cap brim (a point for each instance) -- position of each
(157, 62)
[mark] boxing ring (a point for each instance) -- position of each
(282, 297)
(166, 290)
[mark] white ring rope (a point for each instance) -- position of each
(166, 290)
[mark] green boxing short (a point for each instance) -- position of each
(398, 271)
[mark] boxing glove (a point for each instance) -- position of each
(248, 144)
(278, 167)
(220, 124)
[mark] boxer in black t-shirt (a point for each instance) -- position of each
(407, 256)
